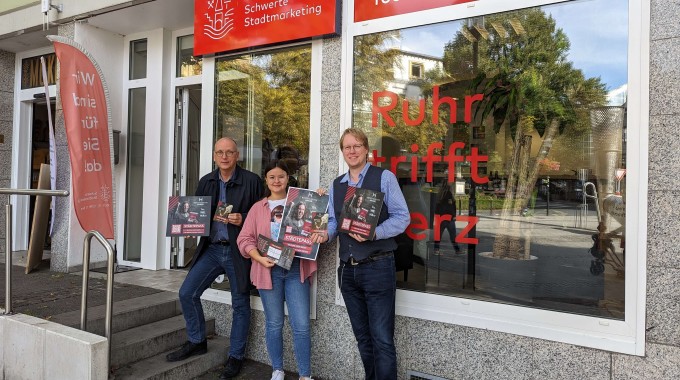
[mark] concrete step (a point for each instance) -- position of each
(151, 339)
(157, 368)
(127, 313)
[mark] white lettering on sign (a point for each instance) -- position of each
(93, 166)
(282, 15)
(90, 122)
(84, 101)
(258, 7)
(378, 2)
(91, 143)
(84, 78)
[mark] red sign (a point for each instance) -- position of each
(224, 25)
(371, 9)
(87, 131)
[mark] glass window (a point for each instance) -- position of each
(416, 70)
(135, 174)
(510, 151)
(187, 64)
(262, 101)
(31, 71)
(138, 52)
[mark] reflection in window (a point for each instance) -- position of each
(31, 71)
(187, 64)
(512, 134)
(134, 183)
(262, 102)
(416, 70)
(138, 51)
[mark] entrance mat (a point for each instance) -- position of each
(117, 269)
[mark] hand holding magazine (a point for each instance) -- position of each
(360, 211)
(277, 252)
(305, 212)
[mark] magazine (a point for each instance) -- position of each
(282, 255)
(188, 216)
(360, 211)
(222, 212)
(305, 210)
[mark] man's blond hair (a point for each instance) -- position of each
(357, 134)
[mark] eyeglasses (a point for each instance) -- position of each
(225, 153)
(350, 148)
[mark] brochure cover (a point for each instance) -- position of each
(222, 212)
(188, 216)
(302, 208)
(361, 211)
(282, 255)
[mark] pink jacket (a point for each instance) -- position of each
(258, 222)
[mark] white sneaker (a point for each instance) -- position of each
(278, 375)
(306, 378)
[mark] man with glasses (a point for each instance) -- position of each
(217, 254)
(367, 270)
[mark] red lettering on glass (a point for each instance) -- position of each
(414, 164)
(474, 158)
(418, 225)
(469, 100)
(430, 159)
(462, 237)
(451, 158)
(418, 221)
(383, 110)
(436, 102)
(405, 115)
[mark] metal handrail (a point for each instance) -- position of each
(8, 236)
(109, 284)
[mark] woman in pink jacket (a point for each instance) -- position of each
(274, 283)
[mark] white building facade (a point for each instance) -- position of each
(602, 273)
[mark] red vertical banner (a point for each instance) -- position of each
(84, 102)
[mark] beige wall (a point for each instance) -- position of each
(26, 14)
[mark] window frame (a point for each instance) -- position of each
(208, 101)
(419, 66)
(625, 336)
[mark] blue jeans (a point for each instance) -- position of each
(216, 260)
(369, 291)
(286, 286)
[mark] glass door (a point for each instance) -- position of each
(186, 161)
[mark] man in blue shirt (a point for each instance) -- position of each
(367, 270)
(228, 185)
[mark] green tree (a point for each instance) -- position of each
(521, 67)
(266, 95)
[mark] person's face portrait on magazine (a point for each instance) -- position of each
(300, 211)
(277, 214)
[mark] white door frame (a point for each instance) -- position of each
(21, 148)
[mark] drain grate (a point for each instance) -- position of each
(414, 375)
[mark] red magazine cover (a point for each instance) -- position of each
(360, 211)
(302, 206)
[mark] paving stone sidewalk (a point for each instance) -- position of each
(43, 294)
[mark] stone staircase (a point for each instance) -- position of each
(144, 330)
